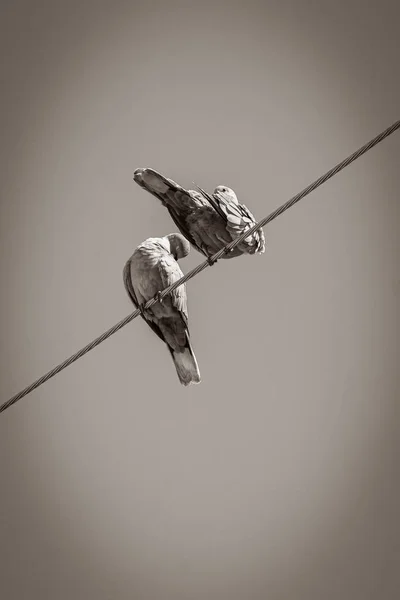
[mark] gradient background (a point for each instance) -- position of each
(278, 477)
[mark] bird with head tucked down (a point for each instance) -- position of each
(152, 267)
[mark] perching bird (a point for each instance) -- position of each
(153, 267)
(209, 222)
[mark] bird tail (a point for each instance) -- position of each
(171, 194)
(186, 365)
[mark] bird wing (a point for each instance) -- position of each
(168, 318)
(250, 220)
(127, 276)
(237, 217)
(170, 272)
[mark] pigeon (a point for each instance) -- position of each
(208, 221)
(152, 267)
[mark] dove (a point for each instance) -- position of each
(152, 267)
(208, 221)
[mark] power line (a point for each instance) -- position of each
(313, 186)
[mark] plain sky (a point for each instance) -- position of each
(277, 477)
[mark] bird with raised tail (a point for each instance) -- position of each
(153, 267)
(208, 221)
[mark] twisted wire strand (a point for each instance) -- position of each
(310, 188)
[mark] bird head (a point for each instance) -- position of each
(179, 245)
(224, 191)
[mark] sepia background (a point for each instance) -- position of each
(277, 478)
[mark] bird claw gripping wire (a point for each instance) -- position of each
(159, 298)
(211, 261)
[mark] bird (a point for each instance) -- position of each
(208, 221)
(152, 267)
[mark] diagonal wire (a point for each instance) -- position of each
(313, 186)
